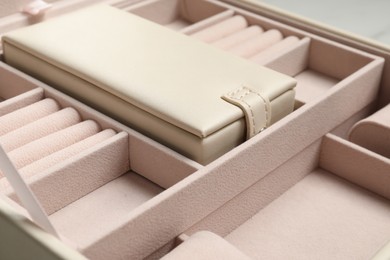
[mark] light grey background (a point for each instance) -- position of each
(370, 18)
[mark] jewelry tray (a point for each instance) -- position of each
(299, 185)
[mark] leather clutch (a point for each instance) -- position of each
(192, 97)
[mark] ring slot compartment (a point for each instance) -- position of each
(73, 186)
(318, 64)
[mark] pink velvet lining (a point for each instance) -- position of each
(321, 217)
(238, 37)
(39, 128)
(221, 29)
(28, 114)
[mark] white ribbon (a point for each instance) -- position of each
(26, 196)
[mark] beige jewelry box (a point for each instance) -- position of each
(301, 189)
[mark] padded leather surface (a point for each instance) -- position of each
(176, 79)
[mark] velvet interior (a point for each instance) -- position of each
(101, 211)
(176, 14)
(67, 152)
(111, 176)
(41, 136)
(321, 217)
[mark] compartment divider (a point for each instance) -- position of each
(163, 12)
(172, 166)
(356, 164)
(290, 61)
(81, 174)
(119, 182)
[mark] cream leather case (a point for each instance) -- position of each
(313, 185)
(170, 89)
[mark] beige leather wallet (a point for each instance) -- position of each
(197, 99)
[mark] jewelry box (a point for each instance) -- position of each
(314, 184)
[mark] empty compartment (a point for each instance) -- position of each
(175, 14)
(321, 217)
(328, 64)
(102, 211)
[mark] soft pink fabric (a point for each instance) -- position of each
(40, 128)
(81, 174)
(321, 217)
(222, 29)
(205, 245)
(257, 44)
(373, 132)
(61, 155)
(238, 37)
(240, 162)
(356, 164)
(27, 115)
(294, 61)
(275, 49)
(252, 161)
(164, 169)
(98, 213)
(19, 101)
(42, 147)
(312, 85)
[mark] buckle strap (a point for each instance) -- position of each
(256, 108)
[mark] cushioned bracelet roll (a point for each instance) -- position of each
(257, 44)
(275, 49)
(20, 101)
(57, 157)
(54, 142)
(40, 128)
(221, 29)
(238, 37)
(27, 115)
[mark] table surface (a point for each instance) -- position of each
(369, 18)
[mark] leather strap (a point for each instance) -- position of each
(26, 196)
(256, 108)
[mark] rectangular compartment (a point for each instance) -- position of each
(223, 195)
(335, 208)
(324, 65)
(176, 14)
